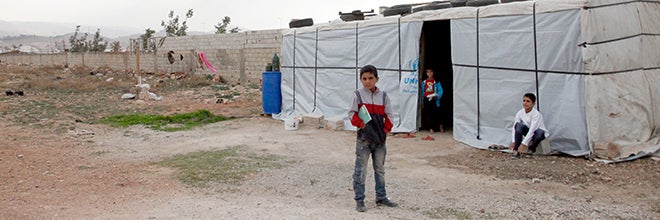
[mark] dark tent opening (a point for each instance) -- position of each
(435, 53)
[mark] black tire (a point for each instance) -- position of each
(458, 3)
(398, 10)
(353, 16)
(507, 1)
(477, 3)
(295, 23)
(436, 6)
(350, 17)
(402, 6)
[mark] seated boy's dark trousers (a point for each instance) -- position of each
(521, 131)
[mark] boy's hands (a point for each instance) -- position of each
(360, 125)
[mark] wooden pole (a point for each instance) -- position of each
(137, 62)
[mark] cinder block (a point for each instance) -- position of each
(544, 147)
(312, 121)
(335, 124)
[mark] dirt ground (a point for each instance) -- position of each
(56, 162)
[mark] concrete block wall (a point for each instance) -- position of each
(237, 57)
(240, 58)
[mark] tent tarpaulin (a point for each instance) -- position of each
(593, 65)
(320, 69)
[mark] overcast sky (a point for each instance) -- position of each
(143, 14)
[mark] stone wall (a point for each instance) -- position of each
(237, 57)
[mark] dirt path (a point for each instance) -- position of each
(56, 163)
(108, 176)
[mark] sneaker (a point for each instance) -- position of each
(360, 206)
(515, 156)
(386, 202)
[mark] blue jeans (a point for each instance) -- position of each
(521, 131)
(362, 151)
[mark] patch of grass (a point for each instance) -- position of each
(101, 152)
(175, 122)
(252, 86)
(83, 167)
(221, 87)
(444, 213)
(228, 166)
(195, 81)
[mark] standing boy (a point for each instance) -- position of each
(528, 127)
(370, 136)
(432, 91)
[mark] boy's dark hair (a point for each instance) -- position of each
(369, 68)
(531, 97)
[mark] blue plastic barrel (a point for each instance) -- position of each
(271, 95)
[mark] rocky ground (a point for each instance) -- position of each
(56, 162)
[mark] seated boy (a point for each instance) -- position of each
(528, 127)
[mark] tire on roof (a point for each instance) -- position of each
(507, 1)
(301, 22)
(436, 6)
(458, 3)
(477, 3)
(355, 15)
(398, 10)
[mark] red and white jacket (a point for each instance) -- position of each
(376, 103)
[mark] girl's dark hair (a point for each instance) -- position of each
(369, 68)
(531, 97)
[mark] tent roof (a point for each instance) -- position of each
(512, 8)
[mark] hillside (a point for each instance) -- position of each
(47, 37)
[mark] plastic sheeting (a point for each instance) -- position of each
(320, 69)
(486, 102)
(594, 65)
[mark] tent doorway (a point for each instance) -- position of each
(435, 53)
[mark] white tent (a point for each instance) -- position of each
(594, 66)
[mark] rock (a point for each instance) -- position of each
(536, 180)
(128, 96)
(577, 187)
(109, 79)
(155, 97)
